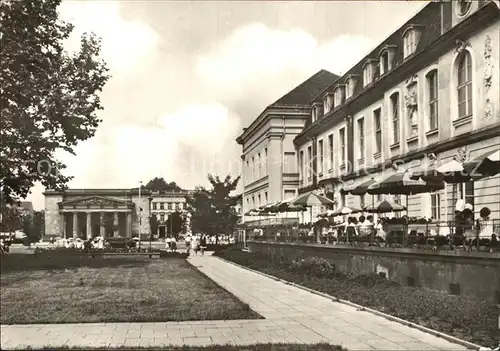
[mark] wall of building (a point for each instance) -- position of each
(430, 270)
(52, 217)
(269, 177)
(143, 227)
(483, 46)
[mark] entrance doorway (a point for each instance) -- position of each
(162, 231)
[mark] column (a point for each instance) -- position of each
(129, 224)
(115, 224)
(103, 228)
(89, 225)
(62, 230)
(275, 174)
(75, 224)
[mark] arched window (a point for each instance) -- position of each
(464, 86)
(433, 100)
(367, 74)
(384, 62)
(395, 117)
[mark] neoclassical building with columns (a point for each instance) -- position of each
(87, 213)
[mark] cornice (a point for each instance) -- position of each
(411, 27)
(289, 111)
(387, 47)
(400, 73)
(274, 135)
(369, 61)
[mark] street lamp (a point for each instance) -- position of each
(150, 198)
(140, 214)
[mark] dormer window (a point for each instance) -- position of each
(386, 58)
(411, 36)
(350, 83)
(317, 111)
(338, 95)
(368, 72)
(328, 102)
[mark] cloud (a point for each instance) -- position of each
(257, 62)
(178, 117)
(126, 45)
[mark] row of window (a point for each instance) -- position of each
(161, 217)
(464, 108)
(256, 166)
(375, 68)
(257, 200)
(371, 70)
(170, 205)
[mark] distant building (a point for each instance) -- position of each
(270, 171)
(87, 213)
(26, 208)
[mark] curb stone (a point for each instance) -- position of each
(433, 332)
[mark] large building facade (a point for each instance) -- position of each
(270, 171)
(427, 94)
(88, 213)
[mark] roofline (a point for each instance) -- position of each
(240, 138)
(445, 37)
(112, 191)
(372, 51)
(267, 111)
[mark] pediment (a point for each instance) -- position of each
(95, 201)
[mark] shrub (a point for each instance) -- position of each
(315, 266)
(165, 254)
(120, 242)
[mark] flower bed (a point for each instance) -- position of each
(464, 317)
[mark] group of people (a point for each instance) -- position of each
(359, 227)
(171, 244)
(196, 242)
(92, 243)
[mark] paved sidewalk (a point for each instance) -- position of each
(292, 315)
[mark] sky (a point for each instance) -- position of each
(188, 76)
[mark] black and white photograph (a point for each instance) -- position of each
(250, 175)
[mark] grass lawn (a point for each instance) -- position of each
(80, 289)
(257, 347)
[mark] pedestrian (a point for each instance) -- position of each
(203, 244)
(168, 245)
(187, 242)
(196, 244)
(173, 244)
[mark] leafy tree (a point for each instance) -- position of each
(175, 223)
(39, 223)
(11, 218)
(29, 229)
(213, 210)
(48, 97)
(159, 184)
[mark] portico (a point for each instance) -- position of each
(93, 216)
